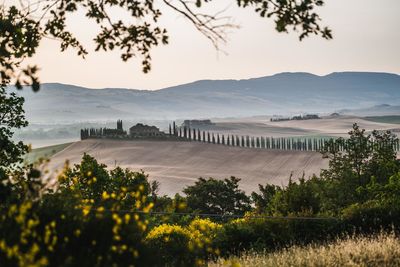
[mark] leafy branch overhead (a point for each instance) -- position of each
(23, 26)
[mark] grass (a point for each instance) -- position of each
(385, 119)
(380, 250)
(44, 152)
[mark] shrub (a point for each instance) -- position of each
(183, 246)
(171, 245)
(92, 220)
(371, 216)
(272, 233)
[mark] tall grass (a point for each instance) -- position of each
(380, 250)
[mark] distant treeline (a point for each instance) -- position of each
(294, 118)
(101, 132)
(262, 142)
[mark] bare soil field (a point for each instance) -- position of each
(327, 126)
(178, 164)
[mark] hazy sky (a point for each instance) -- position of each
(366, 38)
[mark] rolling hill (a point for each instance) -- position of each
(284, 93)
(178, 164)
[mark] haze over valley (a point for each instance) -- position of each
(281, 94)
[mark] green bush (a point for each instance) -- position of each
(371, 217)
(270, 234)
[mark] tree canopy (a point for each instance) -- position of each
(11, 117)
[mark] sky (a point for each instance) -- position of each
(366, 38)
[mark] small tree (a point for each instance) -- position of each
(217, 196)
(352, 159)
(263, 199)
(11, 117)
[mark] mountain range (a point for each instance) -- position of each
(279, 94)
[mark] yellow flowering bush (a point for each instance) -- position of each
(171, 244)
(183, 245)
(95, 218)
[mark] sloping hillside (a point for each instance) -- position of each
(178, 164)
(327, 126)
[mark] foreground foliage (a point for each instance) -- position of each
(86, 222)
(102, 217)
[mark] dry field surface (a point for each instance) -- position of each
(381, 250)
(178, 164)
(330, 126)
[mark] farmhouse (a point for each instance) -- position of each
(142, 130)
